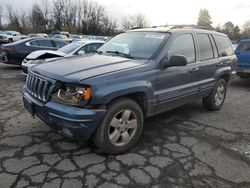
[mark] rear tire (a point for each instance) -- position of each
(121, 127)
(216, 98)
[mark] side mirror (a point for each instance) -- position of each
(81, 52)
(177, 60)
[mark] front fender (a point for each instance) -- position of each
(107, 94)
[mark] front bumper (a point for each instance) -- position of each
(4, 41)
(73, 122)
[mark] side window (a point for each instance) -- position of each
(59, 44)
(183, 45)
(84, 48)
(45, 43)
(205, 46)
(34, 43)
(90, 48)
(215, 50)
(244, 47)
(224, 46)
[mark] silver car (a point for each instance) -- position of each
(74, 48)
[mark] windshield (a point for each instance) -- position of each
(141, 45)
(70, 47)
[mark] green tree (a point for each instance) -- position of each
(233, 32)
(204, 18)
(246, 30)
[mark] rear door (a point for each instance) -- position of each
(207, 64)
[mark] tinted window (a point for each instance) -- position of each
(205, 46)
(34, 43)
(45, 43)
(216, 55)
(59, 44)
(183, 45)
(244, 47)
(224, 46)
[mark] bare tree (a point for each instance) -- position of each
(135, 21)
(37, 19)
(58, 7)
(81, 16)
(13, 18)
(1, 14)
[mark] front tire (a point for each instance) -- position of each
(121, 127)
(216, 98)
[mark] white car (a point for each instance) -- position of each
(9, 36)
(74, 48)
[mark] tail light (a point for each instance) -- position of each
(5, 49)
(235, 62)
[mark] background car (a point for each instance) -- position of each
(243, 54)
(62, 37)
(41, 35)
(10, 36)
(15, 52)
(74, 48)
(76, 37)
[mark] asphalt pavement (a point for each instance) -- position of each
(185, 147)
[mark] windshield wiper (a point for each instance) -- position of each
(121, 54)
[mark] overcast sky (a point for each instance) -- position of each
(169, 11)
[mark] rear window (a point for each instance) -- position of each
(34, 43)
(206, 50)
(45, 43)
(244, 47)
(224, 45)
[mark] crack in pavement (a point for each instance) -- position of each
(185, 147)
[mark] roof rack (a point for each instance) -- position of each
(187, 26)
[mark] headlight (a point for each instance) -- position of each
(37, 61)
(73, 95)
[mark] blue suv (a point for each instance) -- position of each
(243, 54)
(107, 95)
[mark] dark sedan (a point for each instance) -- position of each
(15, 52)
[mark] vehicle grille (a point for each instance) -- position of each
(1, 37)
(39, 87)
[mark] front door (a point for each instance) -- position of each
(174, 84)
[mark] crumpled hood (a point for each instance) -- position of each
(77, 68)
(44, 54)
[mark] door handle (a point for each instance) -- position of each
(194, 69)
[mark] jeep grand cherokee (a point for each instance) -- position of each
(107, 95)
